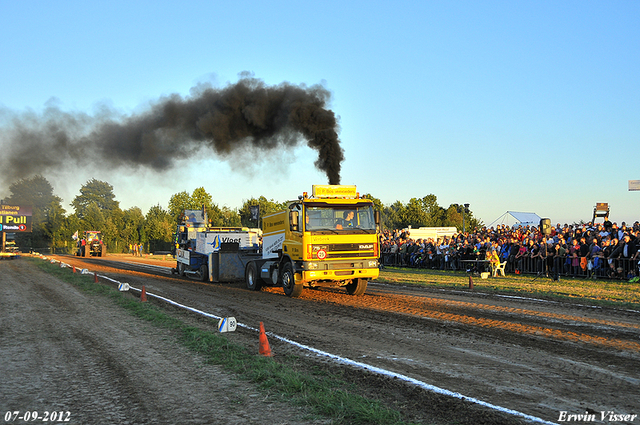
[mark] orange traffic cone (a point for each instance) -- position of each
(265, 350)
(143, 295)
(470, 282)
(95, 277)
(74, 269)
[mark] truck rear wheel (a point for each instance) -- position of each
(203, 273)
(357, 287)
(291, 288)
(251, 277)
(180, 269)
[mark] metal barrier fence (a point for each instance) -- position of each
(615, 268)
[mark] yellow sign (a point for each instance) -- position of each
(334, 191)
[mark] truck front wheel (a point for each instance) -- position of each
(291, 288)
(357, 287)
(251, 278)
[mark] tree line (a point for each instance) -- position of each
(96, 208)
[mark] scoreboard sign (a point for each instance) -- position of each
(15, 219)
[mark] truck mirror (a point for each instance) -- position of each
(293, 220)
(376, 217)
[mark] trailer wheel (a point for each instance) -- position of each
(251, 277)
(181, 269)
(357, 287)
(203, 273)
(291, 288)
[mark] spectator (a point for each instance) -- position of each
(574, 254)
(524, 249)
(494, 260)
(625, 250)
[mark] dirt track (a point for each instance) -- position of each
(69, 353)
(534, 357)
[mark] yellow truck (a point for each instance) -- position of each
(330, 238)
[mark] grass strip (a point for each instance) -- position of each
(326, 395)
(598, 292)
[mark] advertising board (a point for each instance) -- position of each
(15, 218)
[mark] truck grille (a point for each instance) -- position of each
(345, 250)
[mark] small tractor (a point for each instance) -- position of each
(91, 245)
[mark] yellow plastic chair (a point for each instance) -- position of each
(499, 269)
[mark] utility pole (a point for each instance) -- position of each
(463, 212)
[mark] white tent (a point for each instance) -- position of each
(517, 219)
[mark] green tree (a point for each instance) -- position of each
(424, 212)
(435, 214)
(93, 218)
(267, 206)
(416, 215)
(453, 216)
(132, 224)
(178, 203)
(97, 192)
(158, 229)
(229, 217)
(73, 225)
(112, 230)
(97, 209)
(56, 229)
(377, 203)
(201, 197)
(394, 216)
(184, 201)
(38, 193)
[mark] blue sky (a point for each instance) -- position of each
(509, 106)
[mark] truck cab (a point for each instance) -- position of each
(327, 239)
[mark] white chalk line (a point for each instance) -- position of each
(353, 363)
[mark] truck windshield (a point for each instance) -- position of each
(339, 218)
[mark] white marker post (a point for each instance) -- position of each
(227, 324)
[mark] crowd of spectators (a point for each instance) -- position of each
(586, 250)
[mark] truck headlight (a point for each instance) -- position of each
(312, 266)
(373, 263)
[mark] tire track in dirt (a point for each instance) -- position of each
(66, 350)
(511, 319)
(484, 347)
(444, 310)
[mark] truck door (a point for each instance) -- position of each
(294, 246)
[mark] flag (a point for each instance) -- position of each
(75, 236)
(255, 212)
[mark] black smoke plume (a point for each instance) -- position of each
(247, 114)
